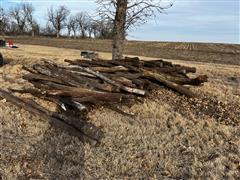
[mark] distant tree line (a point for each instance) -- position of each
(20, 20)
(115, 18)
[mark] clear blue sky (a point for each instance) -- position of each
(187, 20)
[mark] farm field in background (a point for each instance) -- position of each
(198, 52)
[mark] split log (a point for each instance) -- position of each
(188, 81)
(139, 83)
(82, 93)
(124, 88)
(71, 79)
(103, 99)
(172, 70)
(125, 64)
(36, 77)
(124, 81)
(76, 72)
(181, 89)
(109, 70)
(47, 85)
(67, 91)
(87, 82)
(37, 93)
(157, 63)
(127, 75)
(66, 77)
(168, 67)
(184, 80)
(132, 59)
(135, 61)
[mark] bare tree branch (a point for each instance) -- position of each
(72, 25)
(138, 11)
(28, 10)
(83, 20)
(57, 18)
(19, 17)
(3, 21)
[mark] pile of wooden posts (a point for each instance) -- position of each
(82, 85)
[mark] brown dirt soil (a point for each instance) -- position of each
(170, 137)
(201, 52)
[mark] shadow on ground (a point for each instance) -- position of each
(30, 148)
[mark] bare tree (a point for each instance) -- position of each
(90, 28)
(83, 22)
(19, 17)
(48, 30)
(95, 28)
(106, 29)
(28, 11)
(72, 25)
(35, 28)
(102, 29)
(3, 21)
(128, 13)
(58, 18)
(69, 29)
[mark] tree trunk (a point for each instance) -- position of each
(119, 29)
(74, 32)
(83, 34)
(95, 34)
(90, 32)
(69, 34)
(58, 34)
(33, 33)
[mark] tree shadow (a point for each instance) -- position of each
(57, 156)
(32, 149)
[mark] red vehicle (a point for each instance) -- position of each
(10, 43)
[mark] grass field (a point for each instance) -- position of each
(170, 137)
(201, 52)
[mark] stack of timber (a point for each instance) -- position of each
(82, 85)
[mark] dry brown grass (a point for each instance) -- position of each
(167, 139)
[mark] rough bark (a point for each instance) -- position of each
(119, 29)
(109, 70)
(114, 83)
(181, 89)
(58, 34)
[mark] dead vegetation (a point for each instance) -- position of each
(169, 137)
